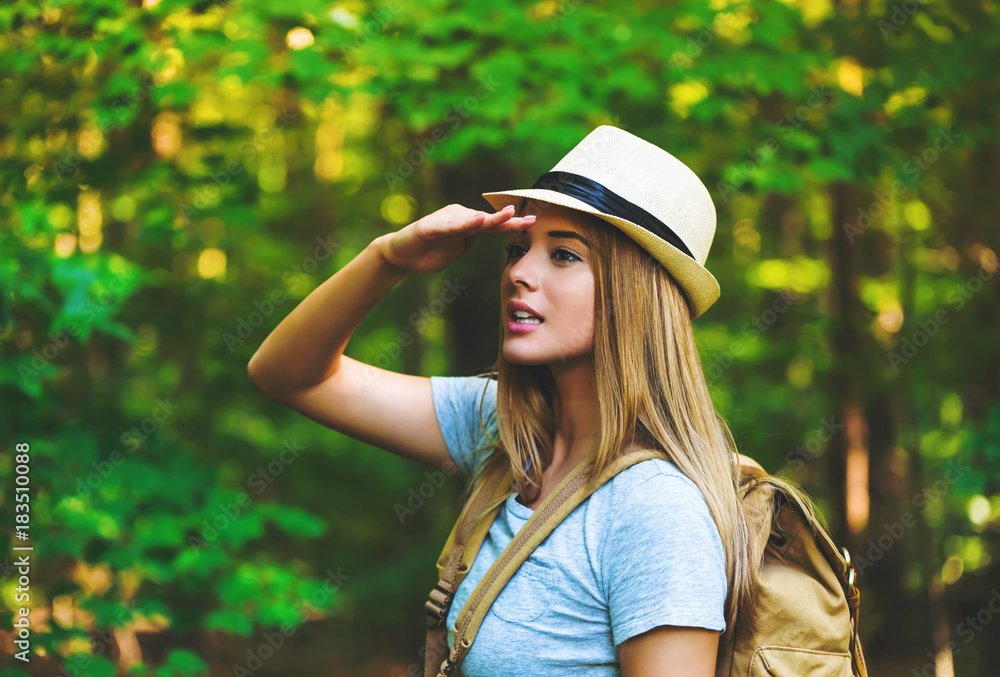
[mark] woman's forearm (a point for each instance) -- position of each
(304, 349)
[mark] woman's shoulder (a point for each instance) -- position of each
(465, 387)
(643, 471)
(654, 483)
(457, 407)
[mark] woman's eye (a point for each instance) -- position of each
(511, 248)
(567, 253)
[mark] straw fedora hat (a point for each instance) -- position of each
(643, 190)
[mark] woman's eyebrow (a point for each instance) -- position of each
(569, 233)
(559, 234)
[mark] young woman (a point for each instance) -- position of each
(604, 274)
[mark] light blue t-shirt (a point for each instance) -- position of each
(641, 551)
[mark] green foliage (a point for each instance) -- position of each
(181, 663)
(173, 176)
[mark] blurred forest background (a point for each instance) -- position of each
(176, 176)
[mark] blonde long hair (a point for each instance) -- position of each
(651, 392)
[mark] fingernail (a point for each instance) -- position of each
(529, 217)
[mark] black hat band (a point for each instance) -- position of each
(597, 196)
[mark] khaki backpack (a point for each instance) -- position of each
(808, 622)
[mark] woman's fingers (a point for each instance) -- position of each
(506, 217)
(486, 222)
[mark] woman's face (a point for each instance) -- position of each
(549, 268)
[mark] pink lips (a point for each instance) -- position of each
(522, 327)
(514, 304)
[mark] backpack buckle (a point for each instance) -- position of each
(850, 567)
(439, 603)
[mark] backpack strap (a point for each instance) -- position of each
(460, 550)
(575, 488)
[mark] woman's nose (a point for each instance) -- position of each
(523, 271)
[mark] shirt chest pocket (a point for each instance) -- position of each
(526, 595)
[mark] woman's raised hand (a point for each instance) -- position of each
(432, 243)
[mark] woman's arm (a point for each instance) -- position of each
(670, 651)
(305, 348)
(302, 365)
